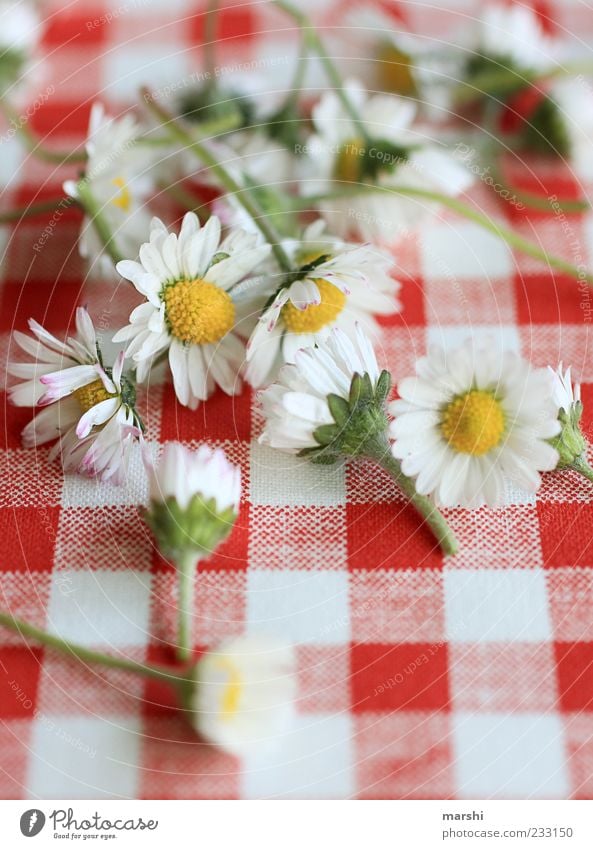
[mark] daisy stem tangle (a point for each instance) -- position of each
(466, 211)
(242, 194)
(317, 46)
(32, 142)
(379, 451)
(186, 568)
(97, 220)
(32, 633)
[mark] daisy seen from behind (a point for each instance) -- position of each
(329, 405)
(191, 312)
(471, 419)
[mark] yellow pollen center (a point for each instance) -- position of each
(473, 423)
(350, 161)
(123, 199)
(91, 394)
(315, 316)
(395, 70)
(198, 312)
(231, 694)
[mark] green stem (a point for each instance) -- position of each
(317, 46)
(186, 569)
(381, 453)
(508, 236)
(536, 201)
(98, 220)
(32, 142)
(31, 209)
(242, 194)
(31, 632)
(466, 211)
(580, 465)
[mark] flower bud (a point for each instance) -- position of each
(194, 499)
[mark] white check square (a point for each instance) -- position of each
(497, 605)
(302, 607)
(100, 607)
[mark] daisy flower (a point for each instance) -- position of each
(192, 309)
(471, 418)
(396, 155)
(337, 285)
(117, 176)
(87, 407)
(244, 691)
(194, 498)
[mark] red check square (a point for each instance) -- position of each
(389, 536)
(574, 662)
(409, 676)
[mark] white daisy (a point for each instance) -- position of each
(470, 418)
(194, 502)
(401, 62)
(339, 285)
(396, 155)
(88, 408)
(297, 403)
(244, 694)
(191, 310)
(117, 175)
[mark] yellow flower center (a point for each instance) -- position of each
(350, 161)
(315, 316)
(395, 70)
(231, 694)
(91, 394)
(473, 423)
(198, 312)
(123, 199)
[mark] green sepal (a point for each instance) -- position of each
(383, 387)
(339, 408)
(570, 442)
(200, 527)
(358, 421)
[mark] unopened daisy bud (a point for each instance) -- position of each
(570, 442)
(330, 404)
(194, 502)
(243, 693)
(194, 499)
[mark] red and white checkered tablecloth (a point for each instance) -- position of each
(418, 676)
